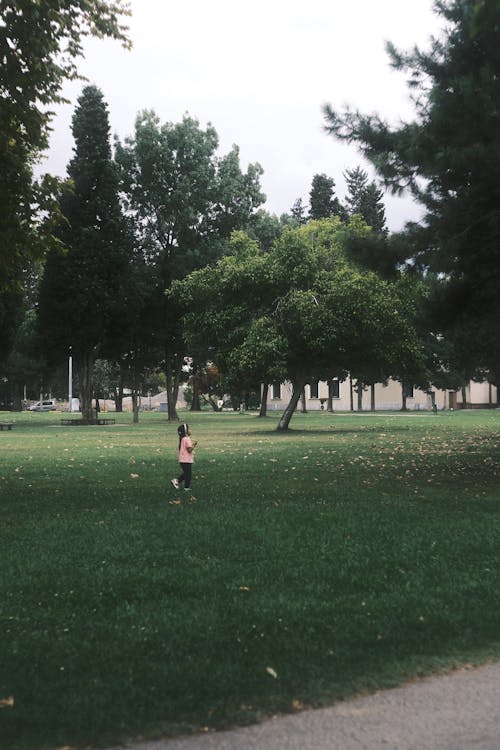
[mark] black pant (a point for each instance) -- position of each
(186, 475)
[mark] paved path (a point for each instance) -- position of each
(456, 711)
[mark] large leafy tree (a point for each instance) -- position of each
(449, 157)
(185, 201)
(85, 293)
(300, 311)
(39, 43)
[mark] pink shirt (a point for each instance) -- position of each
(185, 456)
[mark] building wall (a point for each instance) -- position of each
(478, 396)
(387, 397)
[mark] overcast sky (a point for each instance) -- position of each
(259, 73)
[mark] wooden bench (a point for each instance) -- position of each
(6, 425)
(98, 420)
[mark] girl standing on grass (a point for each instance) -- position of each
(186, 457)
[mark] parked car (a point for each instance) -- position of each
(49, 405)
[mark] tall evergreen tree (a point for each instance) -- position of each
(298, 213)
(39, 44)
(449, 157)
(322, 200)
(85, 290)
(365, 198)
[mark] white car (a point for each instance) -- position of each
(49, 405)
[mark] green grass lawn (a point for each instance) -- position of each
(350, 554)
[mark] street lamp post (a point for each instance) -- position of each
(70, 379)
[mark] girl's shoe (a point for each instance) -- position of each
(175, 483)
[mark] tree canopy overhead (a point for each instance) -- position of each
(39, 43)
(449, 157)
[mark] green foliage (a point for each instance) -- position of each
(300, 311)
(365, 198)
(39, 42)
(448, 157)
(264, 227)
(86, 294)
(184, 200)
(322, 200)
(352, 554)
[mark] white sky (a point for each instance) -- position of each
(259, 73)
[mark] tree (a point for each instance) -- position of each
(448, 157)
(300, 312)
(322, 200)
(39, 42)
(185, 201)
(365, 198)
(264, 227)
(85, 292)
(298, 213)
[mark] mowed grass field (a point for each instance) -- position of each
(351, 554)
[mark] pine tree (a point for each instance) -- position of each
(449, 158)
(322, 200)
(84, 291)
(365, 198)
(298, 213)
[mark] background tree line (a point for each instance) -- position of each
(86, 262)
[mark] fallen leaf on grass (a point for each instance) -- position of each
(7, 702)
(134, 476)
(174, 502)
(272, 672)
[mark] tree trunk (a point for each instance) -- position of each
(464, 397)
(351, 393)
(298, 387)
(136, 403)
(432, 394)
(329, 403)
(17, 398)
(195, 401)
(173, 369)
(119, 394)
(303, 400)
(403, 391)
(359, 391)
(213, 403)
(372, 397)
(86, 386)
(263, 400)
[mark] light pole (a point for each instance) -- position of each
(70, 379)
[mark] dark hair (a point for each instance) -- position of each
(182, 431)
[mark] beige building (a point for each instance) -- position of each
(385, 397)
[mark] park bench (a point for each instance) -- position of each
(97, 420)
(6, 425)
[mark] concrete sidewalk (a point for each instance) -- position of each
(456, 711)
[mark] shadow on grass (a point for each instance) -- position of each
(327, 430)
